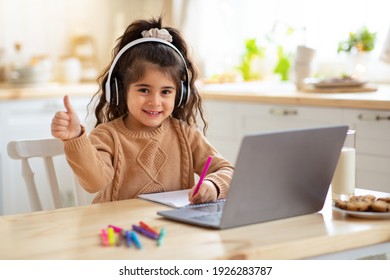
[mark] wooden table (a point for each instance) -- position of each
(73, 233)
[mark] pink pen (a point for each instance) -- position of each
(204, 172)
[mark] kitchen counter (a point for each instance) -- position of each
(286, 93)
(39, 91)
(260, 92)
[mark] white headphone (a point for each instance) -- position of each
(114, 97)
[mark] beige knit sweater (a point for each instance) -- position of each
(118, 163)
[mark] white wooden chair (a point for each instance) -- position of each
(46, 149)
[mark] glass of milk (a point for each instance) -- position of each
(343, 182)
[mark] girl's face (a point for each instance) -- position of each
(150, 100)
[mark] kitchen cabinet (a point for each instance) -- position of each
(30, 118)
(229, 121)
(372, 147)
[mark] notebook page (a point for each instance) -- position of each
(174, 199)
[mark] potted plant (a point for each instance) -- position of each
(358, 46)
(361, 41)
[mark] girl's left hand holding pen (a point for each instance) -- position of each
(207, 192)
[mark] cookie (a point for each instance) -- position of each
(342, 204)
(385, 199)
(360, 205)
(368, 197)
(354, 205)
(363, 203)
(380, 206)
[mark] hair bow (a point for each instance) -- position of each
(157, 33)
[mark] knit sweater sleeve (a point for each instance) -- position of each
(221, 170)
(91, 159)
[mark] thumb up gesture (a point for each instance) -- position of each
(66, 124)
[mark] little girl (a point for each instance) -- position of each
(146, 138)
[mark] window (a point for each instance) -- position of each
(217, 30)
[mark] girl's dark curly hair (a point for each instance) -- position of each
(133, 64)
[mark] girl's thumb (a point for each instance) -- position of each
(68, 106)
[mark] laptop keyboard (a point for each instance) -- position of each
(205, 204)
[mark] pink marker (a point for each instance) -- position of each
(104, 237)
(204, 172)
(115, 228)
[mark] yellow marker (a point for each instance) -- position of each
(111, 236)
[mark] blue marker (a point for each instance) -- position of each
(128, 238)
(161, 237)
(135, 239)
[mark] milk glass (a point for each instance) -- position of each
(343, 182)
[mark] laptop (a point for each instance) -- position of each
(277, 175)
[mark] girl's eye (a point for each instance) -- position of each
(143, 90)
(166, 92)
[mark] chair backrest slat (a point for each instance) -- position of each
(46, 149)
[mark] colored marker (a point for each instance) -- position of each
(111, 236)
(161, 237)
(120, 239)
(148, 228)
(128, 238)
(104, 237)
(135, 239)
(115, 228)
(145, 232)
(204, 172)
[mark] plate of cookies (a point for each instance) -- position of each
(364, 206)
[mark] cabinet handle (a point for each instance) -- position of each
(283, 112)
(373, 117)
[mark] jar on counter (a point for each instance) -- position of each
(23, 69)
(69, 70)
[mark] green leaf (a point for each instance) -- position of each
(283, 65)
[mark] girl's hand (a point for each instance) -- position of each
(207, 193)
(66, 124)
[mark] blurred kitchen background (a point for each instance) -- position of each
(49, 48)
(59, 36)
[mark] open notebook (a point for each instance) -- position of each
(174, 199)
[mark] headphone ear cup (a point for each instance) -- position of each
(182, 98)
(114, 91)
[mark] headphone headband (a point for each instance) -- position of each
(132, 44)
